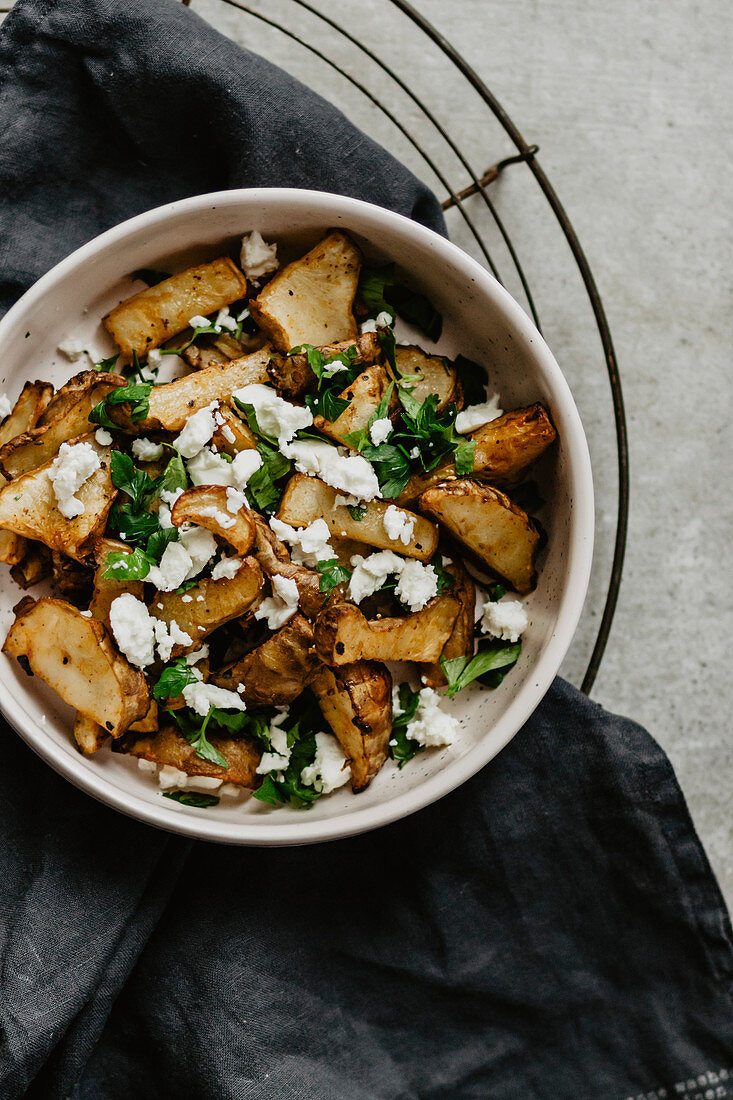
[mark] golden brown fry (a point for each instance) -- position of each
(88, 734)
(32, 449)
(437, 375)
(28, 507)
(27, 410)
(344, 635)
(486, 523)
(222, 600)
(306, 499)
(75, 655)
(276, 672)
(206, 506)
(356, 701)
(152, 316)
(311, 300)
(292, 374)
(169, 747)
(364, 395)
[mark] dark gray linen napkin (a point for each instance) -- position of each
(550, 930)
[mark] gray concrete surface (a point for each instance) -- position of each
(631, 105)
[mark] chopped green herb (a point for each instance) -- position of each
(326, 401)
(187, 586)
(121, 566)
(174, 476)
(463, 457)
(107, 364)
(193, 728)
(193, 798)
(301, 738)
(263, 489)
(332, 574)
(380, 293)
(401, 747)
(392, 467)
(173, 679)
(462, 671)
(137, 394)
(357, 511)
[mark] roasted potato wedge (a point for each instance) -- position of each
(34, 566)
(172, 404)
(28, 507)
(107, 589)
(344, 635)
(487, 524)
(168, 747)
(356, 701)
(40, 445)
(225, 599)
(311, 300)
(33, 399)
(76, 657)
(233, 435)
(149, 318)
(306, 499)
(437, 375)
(276, 672)
(88, 734)
(27, 410)
(206, 506)
(461, 640)
(364, 393)
(292, 375)
(274, 558)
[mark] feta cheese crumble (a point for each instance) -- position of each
(202, 697)
(200, 544)
(72, 350)
(210, 511)
(505, 619)
(282, 604)
(103, 437)
(309, 545)
(416, 583)
(329, 769)
(382, 320)
(277, 759)
(224, 320)
(398, 524)
(257, 257)
(431, 726)
(209, 468)
(74, 464)
(173, 569)
(475, 416)
(5, 406)
(380, 430)
(146, 450)
(133, 628)
(197, 432)
(276, 416)
(168, 635)
(351, 474)
(226, 569)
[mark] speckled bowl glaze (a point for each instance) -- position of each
(481, 321)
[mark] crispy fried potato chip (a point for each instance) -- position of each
(220, 601)
(344, 635)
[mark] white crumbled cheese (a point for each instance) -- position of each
(147, 765)
(164, 517)
(208, 468)
(197, 655)
(351, 474)
(505, 619)
(197, 321)
(170, 496)
(329, 769)
(103, 437)
(416, 584)
(227, 432)
(168, 635)
(334, 367)
(72, 350)
(202, 697)
(398, 524)
(275, 416)
(257, 257)
(283, 603)
(173, 570)
(380, 430)
(382, 320)
(370, 573)
(236, 500)
(396, 707)
(133, 628)
(185, 598)
(210, 511)
(224, 320)
(170, 778)
(230, 790)
(370, 325)
(74, 464)
(431, 726)
(201, 546)
(225, 569)
(146, 450)
(475, 416)
(278, 758)
(6, 406)
(86, 614)
(243, 466)
(204, 783)
(197, 431)
(309, 545)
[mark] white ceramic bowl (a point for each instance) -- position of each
(480, 320)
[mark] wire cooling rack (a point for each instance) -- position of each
(440, 121)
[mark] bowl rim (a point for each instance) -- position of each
(195, 823)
